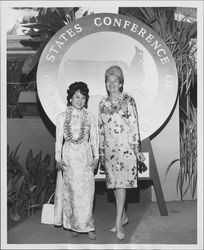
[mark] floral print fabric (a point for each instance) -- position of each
(119, 141)
(75, 187)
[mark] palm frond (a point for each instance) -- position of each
(33, 60)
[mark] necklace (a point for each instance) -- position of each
(68, 126)
(115, 101)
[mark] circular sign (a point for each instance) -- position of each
(85, 48)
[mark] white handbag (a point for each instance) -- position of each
(47, 215)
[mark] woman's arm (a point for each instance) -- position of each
(134, 128)
(59, 138)
(94, 139)
(134, 125)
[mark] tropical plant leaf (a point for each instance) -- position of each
(15, 215)
(34, 206)
(194, 184)
(33, 60)
(15, 152)
(47, 160)
(19, 185)
(188, 182)
(40, 26)
(171, 164)
(178, 183)
(48, 22)
(66, 14)
(29, 159)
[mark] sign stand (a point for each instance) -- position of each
(154, 177)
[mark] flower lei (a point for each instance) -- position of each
(107, 107)
(68, 127)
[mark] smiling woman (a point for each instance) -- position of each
(78, 95)
(120, 143)
(76, 160)
(78, 100)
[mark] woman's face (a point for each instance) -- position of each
(78, 100)
(113, 84)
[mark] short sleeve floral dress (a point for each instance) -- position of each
(119, 141)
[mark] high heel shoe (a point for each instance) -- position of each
(125, 222)
(120, 235)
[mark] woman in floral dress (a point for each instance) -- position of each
(119, 143)
(76, 160)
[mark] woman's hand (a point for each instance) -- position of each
(61, 165)
(140, 157)
(94, 164)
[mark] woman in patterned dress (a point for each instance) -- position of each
(76, 160)
(119, 142)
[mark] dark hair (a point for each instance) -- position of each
(82, 87)
(117, 71)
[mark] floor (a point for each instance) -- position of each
(146, 227)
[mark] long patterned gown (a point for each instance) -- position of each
(119, 141)
(75, 187)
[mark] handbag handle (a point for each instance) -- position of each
(50, 198)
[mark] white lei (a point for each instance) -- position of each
(68, 126)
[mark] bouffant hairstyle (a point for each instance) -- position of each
(82, 87)
(117, 71)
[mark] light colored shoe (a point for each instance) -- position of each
(120, 235)
(92, 235)
(113, 229)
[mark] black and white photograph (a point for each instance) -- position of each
(102, 124)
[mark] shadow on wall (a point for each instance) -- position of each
(48, 123)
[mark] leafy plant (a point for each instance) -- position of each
(187, 176)
(27, 187)
(15, 180)
(180, 37)
(37, 179)
(42, 28)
